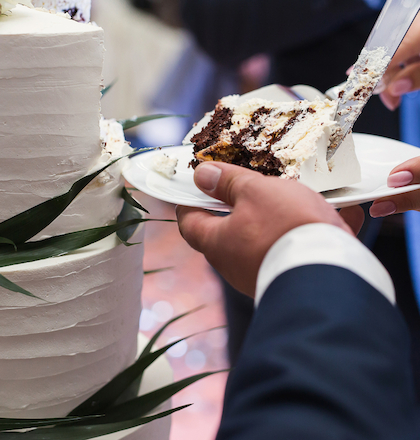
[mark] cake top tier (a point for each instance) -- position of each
(26, 21)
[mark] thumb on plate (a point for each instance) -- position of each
(223, 181)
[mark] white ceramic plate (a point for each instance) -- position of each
(377, 156)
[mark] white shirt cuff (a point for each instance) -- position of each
(320, 243)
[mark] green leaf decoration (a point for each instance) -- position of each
(9, 424)
(103, 399)
(163, 269)
(134, 122)
(61, 244)
(56, 246)
(7, 241)
(110, 392)
(132, 201)
(85, 432)
(128, 213)
(147, 402)
(106, 89)
(114, 417)
(155, 337)
(26, 225)
(126, 243)
(9, 285)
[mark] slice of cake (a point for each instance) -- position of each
(284, 138)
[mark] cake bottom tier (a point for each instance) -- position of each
(57, 351)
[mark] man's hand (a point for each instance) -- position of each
(263, 209)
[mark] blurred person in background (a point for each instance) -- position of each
(311, 42)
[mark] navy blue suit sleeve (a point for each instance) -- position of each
(233, 30)
(326, 357)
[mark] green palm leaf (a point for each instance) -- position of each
(85, 432)
(109, 417)
(26, 225)
(132, 201)
(163, 269)
(155, 337)
(109, 393)
(56, 246)
(7, 241)
(147, 402)
(9, 424)
(128, 213)
(105, 398)
(108, 88)
(134, 122)
(9, 285)
(61, 244)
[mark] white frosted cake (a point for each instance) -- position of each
(81, 329)
(280, 138)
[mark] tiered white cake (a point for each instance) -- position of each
(56, 353)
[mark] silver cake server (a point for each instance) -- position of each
(387, 33)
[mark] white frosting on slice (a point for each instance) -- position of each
(7, 5)
(81, 8)
(306, 127)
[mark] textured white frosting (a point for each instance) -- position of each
(50, 78)
(55, 354)
(82, 7)
(100, 202)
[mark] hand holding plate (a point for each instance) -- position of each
(263, 210)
